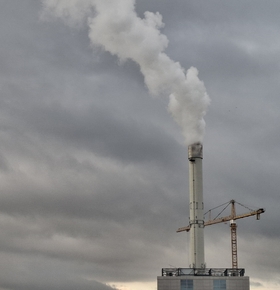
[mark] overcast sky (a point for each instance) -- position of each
(94, 170)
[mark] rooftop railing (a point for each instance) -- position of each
(203, 272)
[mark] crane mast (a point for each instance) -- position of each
(233, 235)
(233, 227)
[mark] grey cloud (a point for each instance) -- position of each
(93, 171)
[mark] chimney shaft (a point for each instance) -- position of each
(196, 206)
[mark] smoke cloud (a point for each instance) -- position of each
(115, 26)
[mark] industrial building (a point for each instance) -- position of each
(217, 280)
(202, 279)
(197, 276)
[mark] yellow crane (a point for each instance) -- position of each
(232, 217)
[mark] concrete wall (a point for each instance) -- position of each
(203, 283)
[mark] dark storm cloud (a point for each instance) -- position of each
(93, 170)
(101, 130)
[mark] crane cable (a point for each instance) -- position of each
(227, 204)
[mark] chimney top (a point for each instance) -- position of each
(195, 151)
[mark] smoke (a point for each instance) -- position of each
(115, 26)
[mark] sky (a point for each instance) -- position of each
(93, 165)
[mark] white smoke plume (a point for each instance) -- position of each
(115, 26)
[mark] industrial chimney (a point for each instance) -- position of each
(196, 250)
(197, 276)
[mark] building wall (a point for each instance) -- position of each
(202, 283)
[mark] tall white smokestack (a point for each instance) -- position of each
(196, 206)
